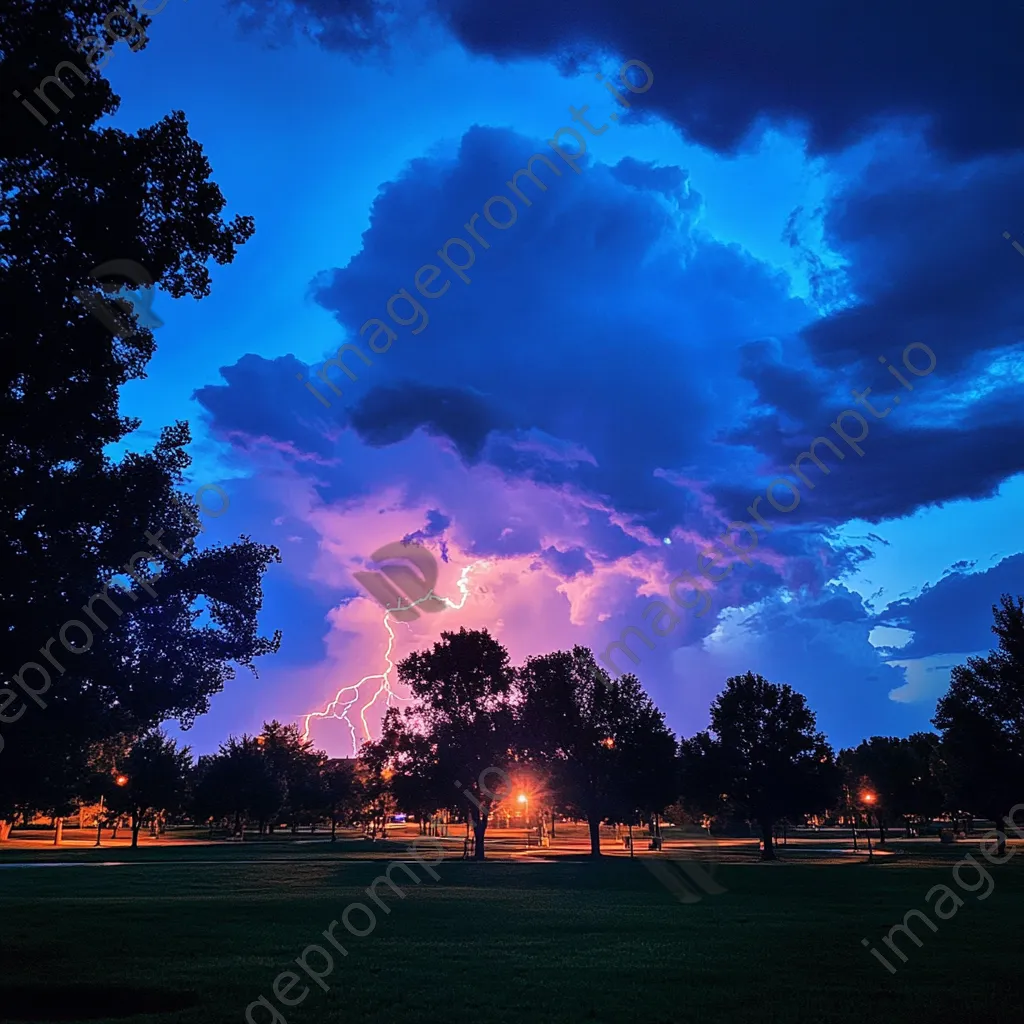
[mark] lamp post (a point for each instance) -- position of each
(869, 798)
(99, 821)
(120, 781)
(525, 800)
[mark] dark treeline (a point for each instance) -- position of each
(592, 748)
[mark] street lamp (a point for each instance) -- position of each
(119, 780)
(870, 799)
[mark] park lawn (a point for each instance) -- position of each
(506, 942)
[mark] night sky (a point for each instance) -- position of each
(803, 191)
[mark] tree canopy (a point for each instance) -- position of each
(97, 549)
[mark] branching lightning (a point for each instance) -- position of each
(330, 710)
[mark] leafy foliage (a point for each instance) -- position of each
(763, 753)
(72, 512)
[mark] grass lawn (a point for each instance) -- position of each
(565, 941)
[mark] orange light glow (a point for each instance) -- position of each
(608, 742)
(522, 798)
(868, 798)
(122, 780)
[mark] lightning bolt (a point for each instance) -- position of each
(330, 710)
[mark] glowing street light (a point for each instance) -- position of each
(525, 800)
(869, 798)
(122, 780)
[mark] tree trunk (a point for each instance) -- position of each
(552, 826)
(136, 825)
(768, 853)
(58, 831)
(1002, 824)
(881, 833)
(631, 840)
(594, 825)
(5, 829)
(479, 828)
(334, 830)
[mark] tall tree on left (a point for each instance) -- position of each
(72, 514)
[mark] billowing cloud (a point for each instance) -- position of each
(589, 374)
(838, 70)
(955, 614)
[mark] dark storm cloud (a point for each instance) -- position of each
(721, 67)
(901, 470)
(955, 615)
(928, 265)
(836, 66)
(568, 564)
(261, 399)
(927, 260)
(604, 346)
(388, 415)
(921, 237)
(533, 350)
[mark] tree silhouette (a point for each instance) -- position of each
(297, 767)
(763, 754)
(339, 790)
(982, 722)
(898, 774)
(463, 692)
(239, 782)
(73, 197)
(156, 776)
(603, 742)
